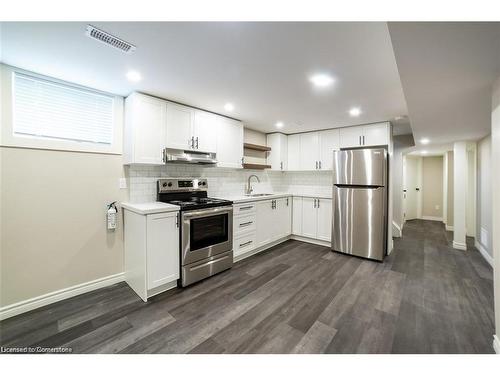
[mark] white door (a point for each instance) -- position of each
(229, 143)
(309, 151)
(351, 136)
(309, 217)
(180, 127)
(328, 142)
(297, 216)
(149, 121)
(410, 186)
(205, 132)
(376, 135)
(324, 208)
(162, 249)
(293, 151)
(265, 223)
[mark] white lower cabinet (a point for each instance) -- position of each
(151, 252)
(257, 224)
(312, 217)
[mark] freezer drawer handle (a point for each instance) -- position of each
(245, 243)
(245, 224)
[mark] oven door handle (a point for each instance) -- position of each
(207, 212)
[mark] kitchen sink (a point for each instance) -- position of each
(258, 195)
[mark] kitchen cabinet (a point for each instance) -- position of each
(273, 219)
(265, 224)
(278, 156)
(205, 131)
(151, 247)
(145, 130)
(162, 249)
(293, 152)
(309, 151)
(328, 142)
(180, 121)
(297, 216)
(312, 217)
(229, 143)
(365, 136)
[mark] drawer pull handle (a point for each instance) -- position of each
(245, 224)
(245, 208)
(245, 243)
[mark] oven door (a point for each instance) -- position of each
(206, 233)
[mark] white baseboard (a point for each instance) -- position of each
(433, 218)
(496, 344)
(58, 295)
(449, 228)
(311, 240)
(459, 245)
(483, 252)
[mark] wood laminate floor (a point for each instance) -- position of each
(294, 298)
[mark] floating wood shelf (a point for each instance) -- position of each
(255, 166)
(251, 146)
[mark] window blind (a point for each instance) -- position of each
(53, 110)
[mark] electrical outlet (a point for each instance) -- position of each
(122, 183)
(436, 206)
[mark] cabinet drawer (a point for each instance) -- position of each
(243, 224)
(243, 209)
(244, 244)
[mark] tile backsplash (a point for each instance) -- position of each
(224, 182)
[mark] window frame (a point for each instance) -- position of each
(9, 139)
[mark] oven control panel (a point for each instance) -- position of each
(182, 184)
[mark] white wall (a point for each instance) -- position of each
(495, 178)
(53, 229)
(484, 195)
(432, 187)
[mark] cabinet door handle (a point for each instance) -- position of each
(245, 224)
(197, 143)
(245, 243)
(316, 165)
(177, 220)
(314, 203)
(363, 140)
(318, 203)
(287, 202)
(319, 164)
(360, 141)
(281, 165)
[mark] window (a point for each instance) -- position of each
(56, 111)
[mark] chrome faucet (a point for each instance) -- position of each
(249, 186)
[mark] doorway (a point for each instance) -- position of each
(412, 181)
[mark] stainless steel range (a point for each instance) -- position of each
(206, 234)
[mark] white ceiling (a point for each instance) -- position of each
(446, 71)
(262, 68)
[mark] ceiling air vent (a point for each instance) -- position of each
(110, 40)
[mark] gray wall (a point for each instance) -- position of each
(484, 197)
(450, 189)
(432, 186)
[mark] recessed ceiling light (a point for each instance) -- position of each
(355, 112)
(424, 152)
(134, 76)
(229, 107)
(425, 141)
(279, 124)
(321, 80)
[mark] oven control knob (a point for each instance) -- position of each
(164, 184)
(203, 183)
(169, 184)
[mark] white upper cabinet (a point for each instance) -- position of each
(376, 134)
(205, 132)
(366, 135)
(180, 120)
(278, 156)
(328, 142)
(309, 151)
(145, 130)
(293, 152)
(229, 143)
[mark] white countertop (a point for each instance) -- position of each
(149, 208)
(243, 198)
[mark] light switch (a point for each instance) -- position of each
(123, 183)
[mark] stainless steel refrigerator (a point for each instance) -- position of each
(359, 205)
